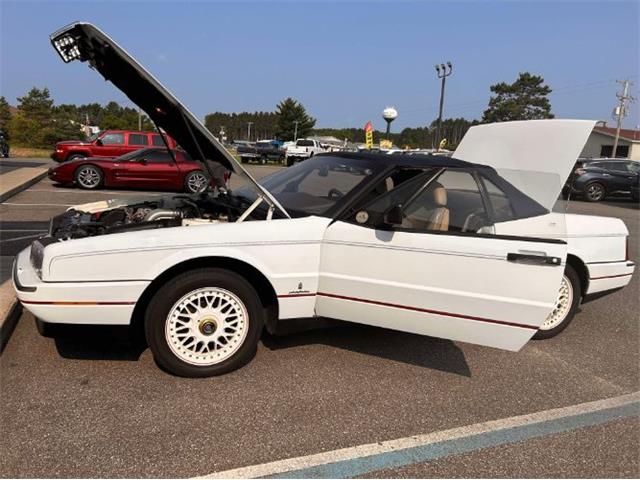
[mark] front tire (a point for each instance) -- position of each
(595, 192)
(204, 322)
(89, 177)
(75, 156)
(569, 295)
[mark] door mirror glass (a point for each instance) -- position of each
(393, 216)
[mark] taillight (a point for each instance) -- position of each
(626, 248)
(579, 171)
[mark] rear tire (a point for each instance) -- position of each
(195, 182)
(204, 322)
(89, 177)
(595, 192)
(569, 296)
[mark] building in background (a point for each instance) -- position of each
(600, 143)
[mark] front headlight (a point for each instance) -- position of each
(36, 254)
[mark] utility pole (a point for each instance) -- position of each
(139, 119)
(443, 73)
(295, 131)
(249, 131)
(621, 111)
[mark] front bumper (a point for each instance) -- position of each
(88, 303)
(609, 276)
(57, 156)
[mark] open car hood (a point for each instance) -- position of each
(84, 42)
(535, 155)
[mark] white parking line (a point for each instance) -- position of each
(363, 459)
(20, 238)
(37, 204)
(105, 192)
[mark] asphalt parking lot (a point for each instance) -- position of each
(89, 403)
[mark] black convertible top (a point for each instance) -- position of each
(405, 160)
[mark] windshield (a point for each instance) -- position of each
(315, 185)
(93, 137)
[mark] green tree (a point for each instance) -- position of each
(289, 112)
(5, 115)
(34, 115)
(524, 99)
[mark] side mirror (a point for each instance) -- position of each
(99, 142)
(142, 161)
(393, 216)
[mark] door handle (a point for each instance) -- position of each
(533, 259)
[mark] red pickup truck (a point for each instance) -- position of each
(109, 143)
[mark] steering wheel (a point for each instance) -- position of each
(334, 193)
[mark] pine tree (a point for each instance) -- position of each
(524, 99)
(289, 112)
(5, 116)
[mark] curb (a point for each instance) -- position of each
(11, 309)
(23, 186)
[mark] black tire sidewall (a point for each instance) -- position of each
(97, 169)
(164, 299)
(571, 274)
(588, 197)
(75, 156)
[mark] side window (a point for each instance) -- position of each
(392, 190)
(138, 139)
(159, 156)
(113, 139)
(633, 167)
(500, 203)
(157, 141)
(450, 203)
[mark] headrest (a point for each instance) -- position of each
(439, 195)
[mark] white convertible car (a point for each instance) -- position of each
(466, 248)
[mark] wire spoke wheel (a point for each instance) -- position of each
(206, 326)
(88, 177)
(563, 305)
(197, 182)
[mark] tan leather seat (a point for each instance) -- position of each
(439, 217)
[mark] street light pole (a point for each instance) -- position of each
(443, 72)
(295, 131)
(249, 131)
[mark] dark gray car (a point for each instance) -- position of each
(594, 180)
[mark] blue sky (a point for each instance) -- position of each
(344, 60)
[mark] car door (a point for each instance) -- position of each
(111, 144)
(624, 175)
(423, 258)
(152, 169)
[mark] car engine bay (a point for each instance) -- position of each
(116, 216)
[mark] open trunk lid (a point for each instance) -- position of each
(535, 155)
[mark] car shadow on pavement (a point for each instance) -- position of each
(97, 342)
(419, 350)
(622, 203)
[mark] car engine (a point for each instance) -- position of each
(115, 216)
